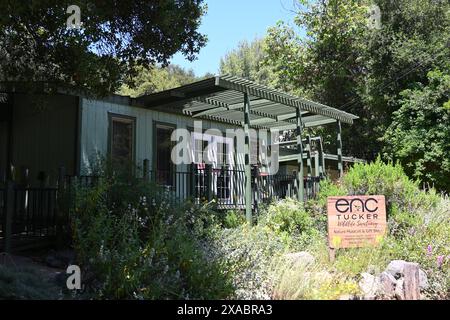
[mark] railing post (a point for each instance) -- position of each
(60, 211)
(339, 149)
(145, 168)
(301, 188)
(8, 216)
(192, 177)
(209, 181)
(248, 169)
(308, 167)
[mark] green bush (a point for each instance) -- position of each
(388, 180)
(418, 224)
(233, 219)
(290, 221)
(133, 242)
(249, 252)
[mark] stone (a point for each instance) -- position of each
(388, 284)
(370, 286)
(396, 268)
(411, 281)
(301, 258)
(423, 280)
(399, 290)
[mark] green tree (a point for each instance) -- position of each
(419, 135)
(412, 41)
(246, 61)
(325, 65)
(346, 64)
(116, 37)
(158, 79)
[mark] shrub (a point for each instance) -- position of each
(233, 219)
(311, 283)
(249, 253)
(133, 242)
(289, 220)
(389, 180)
(418, 225)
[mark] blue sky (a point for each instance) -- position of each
(228, 22)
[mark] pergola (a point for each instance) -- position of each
(241, 102)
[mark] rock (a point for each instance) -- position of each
(399, 290)
(411, 281)
(395, 268)
(388, 284)
(423, 280)
(301, 258)
(370, 286)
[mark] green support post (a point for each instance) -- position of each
(322, 172)
(301, 191)
(339, 149)
(308, 156)
(308, 166)
(248, 169)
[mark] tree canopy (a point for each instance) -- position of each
(115, 39)
(158, 79)
(392, 75)
(419, 134)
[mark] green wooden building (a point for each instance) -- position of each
(41, 133)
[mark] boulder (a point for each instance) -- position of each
(301, 258)
(396, 267)
(388, 284)
(370, 286)
(399, 290)
(423, 280)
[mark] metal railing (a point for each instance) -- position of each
(34, 211)
(225, 185)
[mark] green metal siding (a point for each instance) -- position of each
(44, 134)
(94, 130)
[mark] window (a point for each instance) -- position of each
(122, 136)
(164, 167)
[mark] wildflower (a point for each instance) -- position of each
(439, 261)
(429, 250)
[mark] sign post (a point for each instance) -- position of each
(355, 221)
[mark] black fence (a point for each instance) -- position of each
(226, 186)
(27, 215)
(2, 209)
(30, 213)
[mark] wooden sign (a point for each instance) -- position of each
(356, 221)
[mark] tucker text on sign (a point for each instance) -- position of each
(356, 221)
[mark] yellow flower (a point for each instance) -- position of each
(336, 241)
